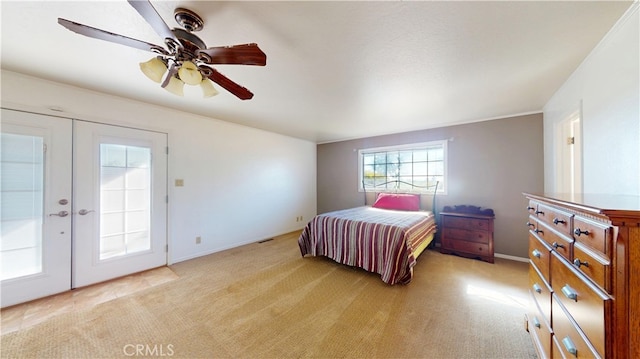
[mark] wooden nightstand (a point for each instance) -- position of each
(467, 231)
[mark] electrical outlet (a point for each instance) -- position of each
(198, 240)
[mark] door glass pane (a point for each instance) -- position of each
(125, 205)
(21, 211)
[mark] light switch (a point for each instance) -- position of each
(179, 183)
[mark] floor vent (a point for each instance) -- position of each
(265, 240)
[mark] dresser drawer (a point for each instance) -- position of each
(562, 244)
(555, 218)
(466, 235)
(540, 332)
(593, 265)
(587, 304)
(539, 253)
(466, 223)
(568, 340)
(541, 292)
(593, 234)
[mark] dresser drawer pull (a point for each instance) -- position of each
(578, 263)
(536, 322)
(538, 231)
(536, 253)
(539, 212)
(537, 288)
(568, 344)
(578, 232)
(570, 293)
(557, 245)
(529, 224)
(557, 220)
(530, 208)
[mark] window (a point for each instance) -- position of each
(125, 200)
(417, 167)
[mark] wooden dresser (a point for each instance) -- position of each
(467, 231)
(584, 276)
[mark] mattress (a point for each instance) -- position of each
(381, 241)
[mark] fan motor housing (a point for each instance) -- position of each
(188, 19)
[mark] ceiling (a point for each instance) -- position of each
(335, 70)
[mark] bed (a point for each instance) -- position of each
(385, 238)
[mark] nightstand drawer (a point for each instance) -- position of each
(466, 235)
(478, 249)
(466, 223)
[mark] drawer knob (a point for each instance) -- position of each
(530, 208)
(538, 231)
(537, 288)
(556, 221)
(568, 344)
(570, 293)
(578, 232)
(536, 322)
(536, 253)
(578, 263)
(529, 224)
(557, 245)
(540, 212)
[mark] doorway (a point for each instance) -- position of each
(81, 203)
(569, 155)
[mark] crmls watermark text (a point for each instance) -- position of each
(143, 350)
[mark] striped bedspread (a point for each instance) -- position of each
(377, 240)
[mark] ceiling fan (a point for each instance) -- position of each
(185, 58)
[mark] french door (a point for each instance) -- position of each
(120, 188)
(35, 245)
(81, 203)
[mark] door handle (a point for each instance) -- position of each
(60, 214)
(82, 212)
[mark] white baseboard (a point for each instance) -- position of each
(512, 258)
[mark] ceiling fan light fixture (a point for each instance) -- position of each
(189, 73)
(208, 90)
(154, 69)
(175, 86)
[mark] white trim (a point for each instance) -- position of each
(511, 258)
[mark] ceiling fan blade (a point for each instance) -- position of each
(154, 19)
(247, 54)
(239, 91)
(107, 36)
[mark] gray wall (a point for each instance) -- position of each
(490, 164)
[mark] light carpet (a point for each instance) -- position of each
(266, 301)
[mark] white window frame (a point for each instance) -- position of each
(442, 186)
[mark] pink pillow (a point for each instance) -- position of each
(399, 201)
